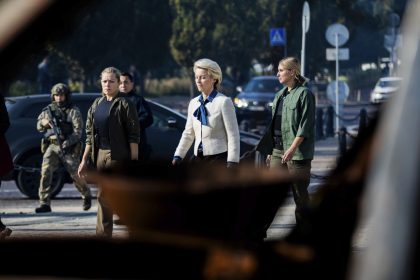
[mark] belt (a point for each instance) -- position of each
(53, 141)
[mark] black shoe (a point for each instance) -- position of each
(5, 233)
(87, 203)
(43, 209)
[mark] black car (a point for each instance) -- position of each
(253, 104)
(24, 139)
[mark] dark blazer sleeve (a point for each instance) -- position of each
(145, 113)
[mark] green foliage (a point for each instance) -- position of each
(164, 37)
(20, 88)
(118, 34)
(191, 30)
(228, 32)
(169, 86)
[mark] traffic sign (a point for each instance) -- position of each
(337, 33)
(343, 91)
(278, 37)
(306, 15)
(343, 54)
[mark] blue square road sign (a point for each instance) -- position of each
(278, 36)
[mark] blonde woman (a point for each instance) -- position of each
(112, 134)
(211, 123)
(289, 140)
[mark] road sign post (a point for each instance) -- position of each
(278, 38)
(391, 41)
(305, 28)
(337, 35)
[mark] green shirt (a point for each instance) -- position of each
(298, 119)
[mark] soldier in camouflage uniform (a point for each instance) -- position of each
(68, 123)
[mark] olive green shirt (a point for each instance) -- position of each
(298, 119)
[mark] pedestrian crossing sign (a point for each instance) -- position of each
(278, 36)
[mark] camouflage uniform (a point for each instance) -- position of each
(70, 122)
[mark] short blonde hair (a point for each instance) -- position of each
(212, 68)
(112, 70)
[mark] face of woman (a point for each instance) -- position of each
(204, 81)
(285, 76)
(109, 84)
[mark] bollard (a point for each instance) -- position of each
(342, 140)
(329, 122)
(362, 120)
(319, 124)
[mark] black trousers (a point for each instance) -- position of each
(217, 158)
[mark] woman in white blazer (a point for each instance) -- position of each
(211, 122)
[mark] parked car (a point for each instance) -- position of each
(384, 89)
(253, 104)
(24, 139)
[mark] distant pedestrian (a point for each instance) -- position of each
(6, 164)
(211, 122)
(289, 140)
(145, 116)
(44, 76)
(62, 125)
(112, 134)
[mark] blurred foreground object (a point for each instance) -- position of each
(17, 14)
(392, 200)
(200, 200)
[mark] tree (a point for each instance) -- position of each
(366, 21)
(238, 37)
(117, 34)
(191, 32)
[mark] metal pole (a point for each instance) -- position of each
(302, 55)
(285, 45)
(337, 127)
(391, 53)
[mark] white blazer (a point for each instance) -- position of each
(220, 135)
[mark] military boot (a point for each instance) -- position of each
(44, 208)
(87, 203)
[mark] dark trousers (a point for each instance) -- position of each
(302, 169)
(217, 158)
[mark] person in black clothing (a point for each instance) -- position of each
(143, 110)
(6, 164)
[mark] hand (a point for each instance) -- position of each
(45, 123)
(65, 144)
(268, 160)
(81, 169)
(176, 161)
(288, 155)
